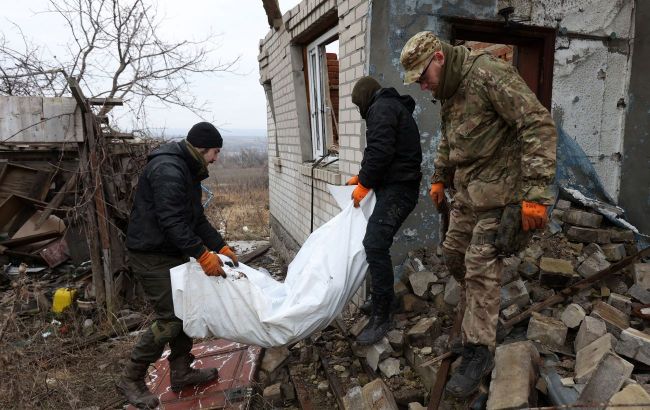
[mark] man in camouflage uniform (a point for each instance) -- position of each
(497, 149)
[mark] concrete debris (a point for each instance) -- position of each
(376, 395)
(590, 356)
(390, 367)
(378, 352)
(452, 292)
(546, 330)
(635, 345)
(632, 397)
(424, 332)
(590, 341)
(607, 379)
(273, 393)
(515, 292)
(273, 358)
(421, 281)
(573, 315)
(514, 376)
(591, 329)
(642, 275)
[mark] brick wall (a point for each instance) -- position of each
(281, 68)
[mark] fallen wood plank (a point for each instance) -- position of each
(26, 240)
(254, 254)
(436, 359)
(333, 380)
(56, 201)
(301, 392)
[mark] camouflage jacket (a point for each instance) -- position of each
(498, 141)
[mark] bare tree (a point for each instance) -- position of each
(115, 52)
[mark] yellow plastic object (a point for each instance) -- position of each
(63, 298)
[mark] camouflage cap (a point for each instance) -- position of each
(417, 53)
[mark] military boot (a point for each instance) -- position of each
(182, 374)
(476, 362)
(132, 386)
(366, 308)
(379, 323)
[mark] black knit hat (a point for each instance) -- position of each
(204, 135)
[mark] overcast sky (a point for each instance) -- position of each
(236, 102)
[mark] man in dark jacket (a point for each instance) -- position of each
(166, 227)
(390, 167)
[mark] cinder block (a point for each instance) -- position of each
(588, 235)
(514, 376)
(546, 330)
(635, 345)
(581, 218)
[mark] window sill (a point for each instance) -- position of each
(330, 175)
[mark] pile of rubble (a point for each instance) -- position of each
(589, 347)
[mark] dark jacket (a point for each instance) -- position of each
(393, 153)
(167, 215)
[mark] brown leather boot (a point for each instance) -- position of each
(132, 386)
(181, 374)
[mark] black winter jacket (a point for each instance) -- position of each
(167, 215)
(393, 153)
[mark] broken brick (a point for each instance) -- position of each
(573, 315)
(635, 345)
(593, 264)
(606, 380)
(515, 292)
(614, 252)
(582, 218)
(620, 302)
(591, 329)
(555, 273)
(642, 275)
(513, 377)
(588, 235)
(588, 357)
(546, 330)
(424, 332)
(615, 320)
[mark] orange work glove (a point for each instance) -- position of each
(437, 193)
(359, 193)
(211, 264)
(353, 181)
(533, 215)
(226, 251)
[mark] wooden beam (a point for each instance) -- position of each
(26, 240)
(78, 95)
(109, 102)
(56, 201)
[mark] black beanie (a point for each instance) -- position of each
(204, 135)
(362, 93)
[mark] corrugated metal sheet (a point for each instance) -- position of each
(237, 364)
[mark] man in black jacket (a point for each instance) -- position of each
(390, 167)
(167, 225)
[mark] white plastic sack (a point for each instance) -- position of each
(254, 308)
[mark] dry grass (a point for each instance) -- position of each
(240, 207)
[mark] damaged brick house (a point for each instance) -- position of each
(585, 59)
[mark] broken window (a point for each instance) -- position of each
(323, 93)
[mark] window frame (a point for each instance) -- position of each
(316, 67)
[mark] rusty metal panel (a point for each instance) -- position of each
(237, 364)
(55, 253)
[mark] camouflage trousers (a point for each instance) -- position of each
(152, 270)
(470, 255)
